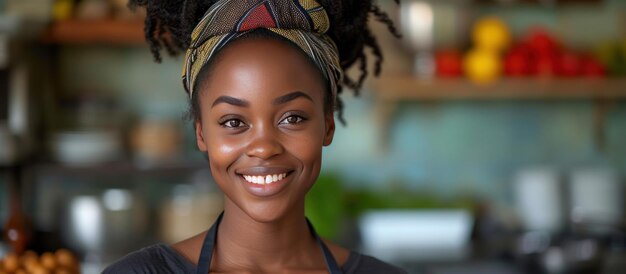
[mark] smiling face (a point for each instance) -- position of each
(263, 125)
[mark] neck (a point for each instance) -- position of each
(245, 244)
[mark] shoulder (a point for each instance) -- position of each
(158, 258)
(363, 264)
(191, 247)
(340, 254)
(353, 262)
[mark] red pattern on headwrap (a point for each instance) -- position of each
(260, 17)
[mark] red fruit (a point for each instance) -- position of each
(516, 64)
(449, 63)
(592, 67)
(545, 64)
(518, 61)
(542, 42)
(543, 51)
(569, 65)
(522, 47)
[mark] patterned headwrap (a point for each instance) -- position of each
(303, 22)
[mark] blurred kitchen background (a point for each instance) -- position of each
(493, 142)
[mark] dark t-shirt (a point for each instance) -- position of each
(163, 259)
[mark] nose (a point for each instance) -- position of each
(264, 145)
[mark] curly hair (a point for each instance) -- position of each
(169, 24)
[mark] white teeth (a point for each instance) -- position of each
(267, 179)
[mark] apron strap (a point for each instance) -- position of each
(206, 254)
(331, 263)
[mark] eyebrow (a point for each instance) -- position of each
(278, 101)
(290, 97)
(230, 100)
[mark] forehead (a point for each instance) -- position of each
(261, 67)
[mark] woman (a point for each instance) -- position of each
(263, 78)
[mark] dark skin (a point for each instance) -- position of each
(262, 113)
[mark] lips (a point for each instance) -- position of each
(264, 181)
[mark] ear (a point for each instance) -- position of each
(199, 136)
(329, 131)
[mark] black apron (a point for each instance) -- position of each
(204, 264)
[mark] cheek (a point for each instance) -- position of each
(224, 147)
(222, 152)
(308, 150)
(311, 157)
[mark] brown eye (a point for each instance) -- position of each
(292, 119)
(232, 123)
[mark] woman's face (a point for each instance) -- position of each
(263, 125)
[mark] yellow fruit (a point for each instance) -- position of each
(482, 66)
(65, 258)
(48, 260)
(29, 257)
(62, 271)
(491, 33)
(39, 270)
(62, 9)
(11, 262)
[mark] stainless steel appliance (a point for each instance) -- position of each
(14, 103)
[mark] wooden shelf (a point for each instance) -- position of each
(111, 32)
(123, 168)
(390, 90)
(403, 87)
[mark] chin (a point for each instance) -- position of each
(267, 211)
(264, 216)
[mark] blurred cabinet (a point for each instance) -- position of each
(113, 33)
(109, 32)
(46, 186)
